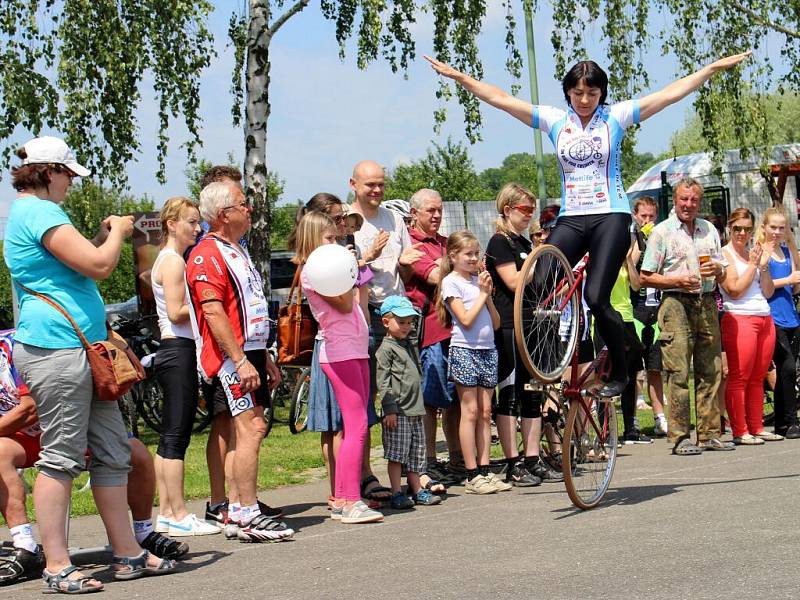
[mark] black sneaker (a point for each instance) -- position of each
(217, 515)
(636, 437)
(545, 473)
(436, 469)
(519, 476)
(264, 529)
(792, 432)
(21, 564)
(272, 513)
(163, 546)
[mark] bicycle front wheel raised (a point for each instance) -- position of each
(546, 313)
(591, 437)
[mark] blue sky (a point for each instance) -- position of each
(327, 115)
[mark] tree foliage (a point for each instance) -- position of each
(78, 65)
(446, 168)
(782, 115)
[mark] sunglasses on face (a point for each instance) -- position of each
(524, 209)
(338, 219)
(741, 229)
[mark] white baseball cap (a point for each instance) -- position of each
(52, 150)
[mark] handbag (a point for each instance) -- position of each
(297, 329)
(115, 368)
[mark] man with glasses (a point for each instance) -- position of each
(220, 441)
(229, 316)
(690, 333)
(437, 391)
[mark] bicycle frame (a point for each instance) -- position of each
(574, 389)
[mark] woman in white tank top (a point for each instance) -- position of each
(176, 367)
(748, 333)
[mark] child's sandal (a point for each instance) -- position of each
(81, 585)
(134, 567)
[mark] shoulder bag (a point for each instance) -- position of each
(297, 329)
(115, 368)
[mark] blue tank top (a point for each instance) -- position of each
(781, 304)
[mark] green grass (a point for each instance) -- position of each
(285, 459)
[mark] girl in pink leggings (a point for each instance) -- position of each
(343, 356)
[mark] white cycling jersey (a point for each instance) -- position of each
(590, 158)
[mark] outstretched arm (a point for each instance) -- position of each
(678, 90)
(490, 94)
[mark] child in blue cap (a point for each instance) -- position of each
(399, 379)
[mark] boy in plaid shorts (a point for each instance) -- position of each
(399, 383)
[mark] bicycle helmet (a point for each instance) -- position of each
(401, 207)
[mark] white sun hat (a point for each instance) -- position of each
(52, 150)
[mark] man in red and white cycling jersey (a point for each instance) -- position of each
(19, 449)
(229, 315)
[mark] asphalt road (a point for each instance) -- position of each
(722, 524)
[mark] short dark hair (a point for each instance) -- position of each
(218, 173)
(26, 177)
(589, 71)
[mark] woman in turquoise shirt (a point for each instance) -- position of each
(46, 254)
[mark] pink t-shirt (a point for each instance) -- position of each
(344, 336)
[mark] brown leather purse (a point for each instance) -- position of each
(297, 329)
(115, 368)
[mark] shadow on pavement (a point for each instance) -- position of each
(628, 496)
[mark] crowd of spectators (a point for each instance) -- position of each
(427, 330)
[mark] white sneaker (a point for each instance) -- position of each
(660, 429)
(162, 524)
(497, 483)
(190, 525)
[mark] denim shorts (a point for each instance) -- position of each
(437, 390)
(473, 368)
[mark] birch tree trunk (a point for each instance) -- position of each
(255, 135)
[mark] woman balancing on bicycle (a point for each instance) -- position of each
(595, 213)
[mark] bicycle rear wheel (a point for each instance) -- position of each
(592, 441)
(546, 318)
(298, 409)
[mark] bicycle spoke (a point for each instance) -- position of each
(591, 434)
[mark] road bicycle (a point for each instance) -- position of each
(548, 321)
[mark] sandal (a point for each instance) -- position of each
(79, 585)
(686, 448)
(134, 567)
(434, 486)
(375, 493)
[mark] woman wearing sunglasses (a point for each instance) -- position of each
(505, 253)
(595, 212)
(748, 333)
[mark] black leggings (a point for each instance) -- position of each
(607, 238)
(176, 372)
(633, 364)
(787, 341)
(512, 397)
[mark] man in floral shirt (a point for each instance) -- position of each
(688, 316)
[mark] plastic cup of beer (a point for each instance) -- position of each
(703, 258)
